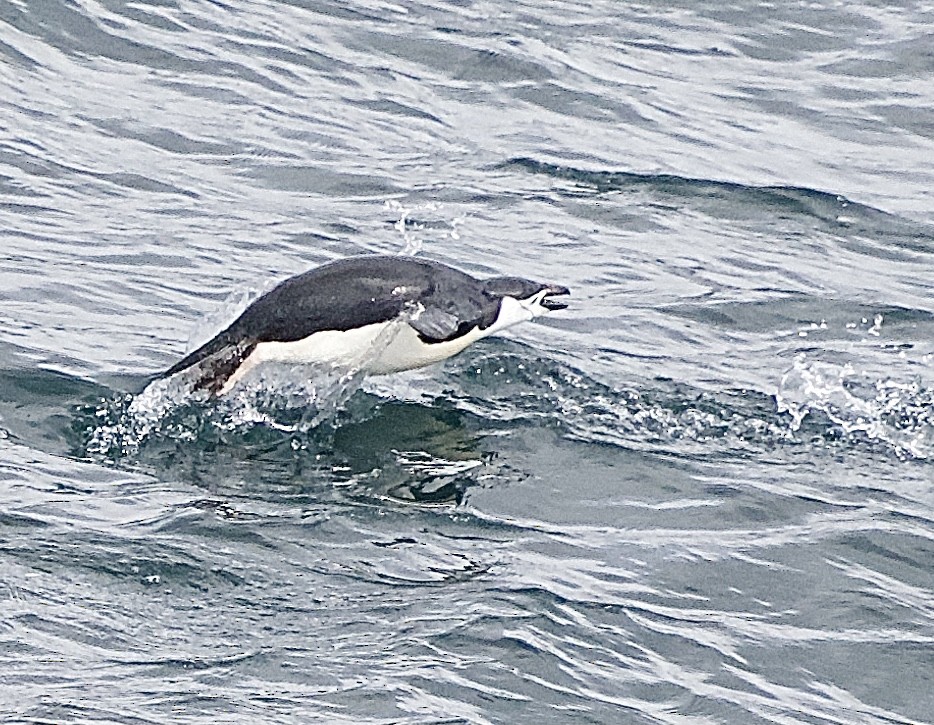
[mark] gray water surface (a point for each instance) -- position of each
(702, 494)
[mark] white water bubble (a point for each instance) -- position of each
(898, 413)
(284, 397)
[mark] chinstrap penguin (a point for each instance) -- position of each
(379, 313)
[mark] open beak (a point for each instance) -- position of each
(554, 290)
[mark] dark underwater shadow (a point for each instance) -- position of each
(366, 446)
(413, 452)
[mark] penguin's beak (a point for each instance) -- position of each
(554, 290)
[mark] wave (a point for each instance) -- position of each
(729, 199)
(818, 405)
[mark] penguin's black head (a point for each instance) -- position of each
(527, 291)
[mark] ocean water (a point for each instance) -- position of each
(702, 494)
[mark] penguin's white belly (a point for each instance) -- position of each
(378, 349)
(406, 350)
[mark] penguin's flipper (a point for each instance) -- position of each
(435, 325)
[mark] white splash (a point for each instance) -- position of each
(412, 232)
(895, 412)
(286, 397)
